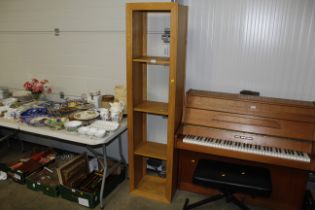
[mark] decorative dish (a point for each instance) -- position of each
(107, 125)
(85, 106)
(55, 122)
(35, 116)
(86, 115)
(72, 125)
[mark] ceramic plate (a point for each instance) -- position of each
(86, 115)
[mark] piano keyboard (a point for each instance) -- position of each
(247, 148)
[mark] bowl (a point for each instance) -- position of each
(91, 131)
(72, 125)
(100, 133)
(83, 130)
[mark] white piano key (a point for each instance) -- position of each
(247, 148)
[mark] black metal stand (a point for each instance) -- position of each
(226, 194)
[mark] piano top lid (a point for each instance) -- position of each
(258, 99)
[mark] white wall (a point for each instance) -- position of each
(88, 55)
(262, 45)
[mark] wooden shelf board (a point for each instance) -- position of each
(153, 150)
(152, 187)
(153, 107)
(153, 60)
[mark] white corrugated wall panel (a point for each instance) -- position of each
(262, 45)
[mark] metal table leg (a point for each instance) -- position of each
(122, 158)
(3, 138)
(104, 177)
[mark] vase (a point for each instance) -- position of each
(36, 96)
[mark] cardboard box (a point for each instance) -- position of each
(19, 170)
(92, 199)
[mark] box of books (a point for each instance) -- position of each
(20, 169)
(86, 191)
(45, 180)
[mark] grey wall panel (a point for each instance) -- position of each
(262, 45)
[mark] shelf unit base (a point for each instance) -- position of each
(152, 187)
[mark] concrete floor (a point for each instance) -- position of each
(14, 196)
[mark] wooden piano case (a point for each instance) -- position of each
(266, 121)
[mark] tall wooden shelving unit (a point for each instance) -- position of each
(139, 106)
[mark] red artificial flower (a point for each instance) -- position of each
(36, 86)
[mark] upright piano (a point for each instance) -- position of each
(276, 134)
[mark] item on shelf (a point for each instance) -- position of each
(157, 166)
(86, 115)
(72, 125)
(106, 99)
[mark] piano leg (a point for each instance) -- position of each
(288, 185)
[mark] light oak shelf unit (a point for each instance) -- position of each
(152, 149)
(153, 107)
(153, 60)
(140, 148)
(151, 187)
